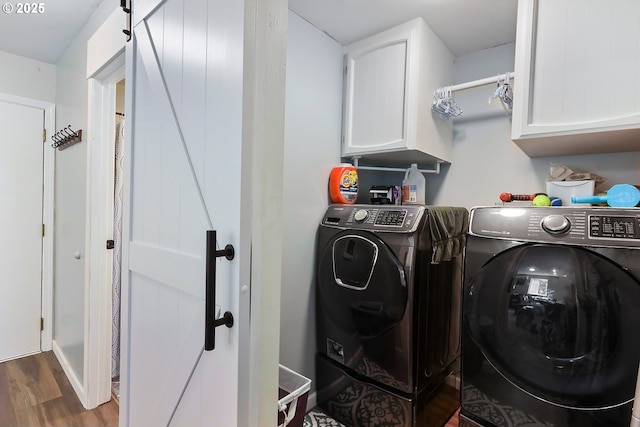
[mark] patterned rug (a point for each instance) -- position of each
(497, 413)
(316, 418)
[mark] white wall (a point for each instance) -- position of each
(70, 183)
(486, 162)
(312, 148)
(27, 77)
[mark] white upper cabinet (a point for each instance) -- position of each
(390, 80)
(577, 67)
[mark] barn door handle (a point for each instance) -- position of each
(211, 323)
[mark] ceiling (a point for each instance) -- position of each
(465, 26)
(44, 36)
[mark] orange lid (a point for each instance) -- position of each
(343, 184)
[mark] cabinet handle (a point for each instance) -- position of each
(210, 291)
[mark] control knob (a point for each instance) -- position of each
(361, 215)
(555, 224)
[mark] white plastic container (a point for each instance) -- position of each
(414, 187)
(565, 190)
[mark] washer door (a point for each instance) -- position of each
(560, 323)
(361, 284)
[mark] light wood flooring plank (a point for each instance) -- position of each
(7, 417)
(103, 416)
(66, 389)
(31, 382)
(34, 392)
(453, 421)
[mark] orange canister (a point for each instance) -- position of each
(343, 184)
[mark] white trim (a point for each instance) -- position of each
(126, 238)
(20, 356)
(48, 239)
(261, 220)
(47, 213)
(100, 136)
(68, 370)
(524, 38)
(106, 43)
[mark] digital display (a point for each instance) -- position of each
(393, 218)
(616, 227)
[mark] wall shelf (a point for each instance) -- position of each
(435, 167)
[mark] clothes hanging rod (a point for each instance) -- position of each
(481, 82)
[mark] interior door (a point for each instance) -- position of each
(185, 168)
(21, 171)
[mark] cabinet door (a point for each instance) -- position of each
(375, 101)
(578, 76)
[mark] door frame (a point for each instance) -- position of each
(98, 269)
(265, 32)
(46, 335)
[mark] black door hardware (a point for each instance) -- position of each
(210, 291)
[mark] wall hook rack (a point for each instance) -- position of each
(66, 137)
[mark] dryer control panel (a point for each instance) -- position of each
(614, 227)
(597, 226)
(391, 218)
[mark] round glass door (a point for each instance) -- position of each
(558, 322)
(361, 284)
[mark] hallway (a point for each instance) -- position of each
(35, 392)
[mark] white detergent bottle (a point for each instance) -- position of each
(413, 186)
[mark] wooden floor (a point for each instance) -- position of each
(440, 408)
(35, 392)
(453, 421)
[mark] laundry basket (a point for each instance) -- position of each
(293, 390)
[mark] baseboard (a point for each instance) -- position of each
(71, 375)
(312, 401)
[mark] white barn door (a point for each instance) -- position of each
(185, 166)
